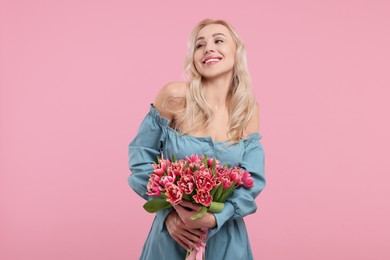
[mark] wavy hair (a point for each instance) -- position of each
(197, 112)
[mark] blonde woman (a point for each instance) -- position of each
(213, 114)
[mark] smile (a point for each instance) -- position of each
(212, 59)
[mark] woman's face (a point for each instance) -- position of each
(215, 51)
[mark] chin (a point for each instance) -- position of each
(210, 75)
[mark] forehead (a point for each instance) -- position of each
(210, 29)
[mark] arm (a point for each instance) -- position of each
(147, 144)
(143, 151)
(242, 202)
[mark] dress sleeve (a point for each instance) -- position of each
(242, 201)
(144, 150)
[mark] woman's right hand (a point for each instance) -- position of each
(186, 237)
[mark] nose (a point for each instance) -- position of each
(207, 50)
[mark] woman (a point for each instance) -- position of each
(214, 114)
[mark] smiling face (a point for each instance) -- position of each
(215, 50)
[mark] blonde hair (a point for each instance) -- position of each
(197, 112)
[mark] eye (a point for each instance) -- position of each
(217, 41)
(199, 45)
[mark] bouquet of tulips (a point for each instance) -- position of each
(197, 179)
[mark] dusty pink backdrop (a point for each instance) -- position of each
(77, 78)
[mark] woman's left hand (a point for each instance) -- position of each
(186, 210)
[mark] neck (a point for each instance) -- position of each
(217, 91)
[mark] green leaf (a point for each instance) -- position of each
(189, 252)
(187, 197)
(173, 158)
(213, 190)
(216, 207)
(205, 161)
(154, 205)
(218, 193)
(202, 211)
(226, 193)
(186, 166)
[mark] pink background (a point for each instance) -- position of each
(77, 78)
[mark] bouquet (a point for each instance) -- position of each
(196, 179)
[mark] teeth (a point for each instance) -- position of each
(211, 60)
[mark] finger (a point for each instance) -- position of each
(183, 209)
(190, 205)
(194, 233)
(179, 210)
(176, 230)
(197, 232)
(181, 243)
(177, 207)
(187, 239)
(183, 213)
(192, 237)
(180, 229)
(183, 220)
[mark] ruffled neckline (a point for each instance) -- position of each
(165, 122)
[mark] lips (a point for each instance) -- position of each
(211, 59)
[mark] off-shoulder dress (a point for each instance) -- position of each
(229, 239)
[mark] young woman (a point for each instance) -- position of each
(213, 114)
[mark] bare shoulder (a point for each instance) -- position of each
(171, 98)
(254, 122)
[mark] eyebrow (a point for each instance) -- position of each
(215, 34)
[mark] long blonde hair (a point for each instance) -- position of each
(197, 113)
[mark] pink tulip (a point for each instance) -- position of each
(177, 168)
(194, 158)
(204, 179)
(247, 180)
(161, 168)
(153, 190)
(223, 172)
(186, 184)
(210, 163)
(153, 187)
(174, 194)
(203, 197)
(236, 175)
(226, 182)
(166, 181)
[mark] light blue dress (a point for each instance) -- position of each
(229, 239)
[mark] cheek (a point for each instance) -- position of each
(197, 56)
(232, 55)
(197, 60)
(233, 52)
(228, 52)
